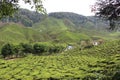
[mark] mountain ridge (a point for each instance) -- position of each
(62, 29)
(28, 18)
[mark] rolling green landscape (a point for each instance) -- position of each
(58, 46)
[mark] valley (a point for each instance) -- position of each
(33, 47)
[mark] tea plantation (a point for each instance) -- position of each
(98, 63)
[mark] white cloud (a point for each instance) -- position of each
(27, 6)
(76, 6)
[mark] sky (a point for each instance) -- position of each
(82, 7)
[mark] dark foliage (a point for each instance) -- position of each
(7, 50)
(9, 7)
(13, 51)
(26, 48)
(39, 48)
(110, 10)
(116, 76)
(56, 49)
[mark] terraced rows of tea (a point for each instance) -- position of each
(84, 65)
(44, 67)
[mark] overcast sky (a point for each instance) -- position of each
(77, 6)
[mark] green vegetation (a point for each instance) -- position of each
(24, 16)
(7, 50)
(56, 27)
(16, 33)
(79, 21)
(50, 24)
(108, 10)
(100, 63)
(28, 18)
(10, 51)
(59, 46)
(8, 8)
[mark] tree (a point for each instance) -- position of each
(9, 7)
(26, 48)
(56, 48)
(7, 50)
(108, 9)
(39, 48)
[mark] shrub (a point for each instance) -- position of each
(39, 48)
(56, 49)
(26, 48)
(18, 49)
(7, 50)
(23, 48)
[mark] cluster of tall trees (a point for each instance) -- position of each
(13, 51)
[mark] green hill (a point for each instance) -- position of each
(56, 27)
(80, 20)
(28, 18)
(50, 29)
(16, 33)
(61, 30)
(64, 30)
(53, 24)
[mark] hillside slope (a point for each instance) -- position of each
(64, 30)
(16, 33)
(80, 20)
(28, 18)
(56, 27)
(60, 30)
